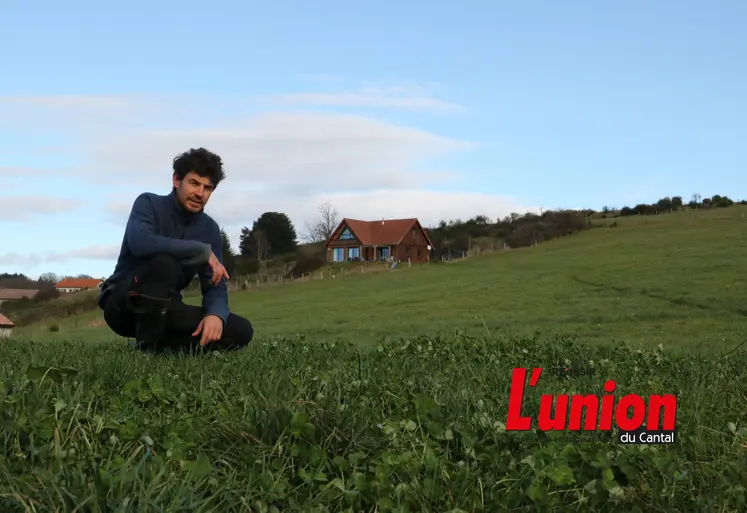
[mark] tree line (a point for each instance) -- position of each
(671, 204)
(512, 231)
(273, 238)
(45, 284)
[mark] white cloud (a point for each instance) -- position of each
(98, 252)
(68, 115)
(8, 172)
(323, 78)
(283, 152)
(24, 208)
(289, 161)
(375, 96)
(69, 101)
(16, 259)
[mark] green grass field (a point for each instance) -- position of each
(389, 391)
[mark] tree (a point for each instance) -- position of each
(245, 242)
(48, 280)
(272, 234)
(229, 257)
(511, 218)
(664, 204)
(721, 201)
(16, 281)
(480, 220)
(262, 244)
(321, 229)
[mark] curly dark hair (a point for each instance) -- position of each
(203, 162)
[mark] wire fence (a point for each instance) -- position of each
(336, 271)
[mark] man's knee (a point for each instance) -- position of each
(164, 265)
(241, 331)
(158, 277)
(117, 321)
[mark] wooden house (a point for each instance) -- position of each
(398, 240)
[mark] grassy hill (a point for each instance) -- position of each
(674, 279)
(349, 400)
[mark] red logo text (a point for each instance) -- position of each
(597, 417)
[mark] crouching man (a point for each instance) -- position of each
(168, 240)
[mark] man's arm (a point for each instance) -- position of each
(214, 297)
(143, 241)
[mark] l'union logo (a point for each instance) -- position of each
(597, 414)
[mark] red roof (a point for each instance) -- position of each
(5, 322)
(384, 232)
(78, 283)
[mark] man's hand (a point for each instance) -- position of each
(211, 327)
(218, 270)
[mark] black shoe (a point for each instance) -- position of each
(150, 328)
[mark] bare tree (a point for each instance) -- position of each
(323, 226)
(263, 248)
(48, 279)
(263, 245)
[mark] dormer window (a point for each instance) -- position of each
(346, 235)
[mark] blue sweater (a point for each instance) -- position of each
(159, 224)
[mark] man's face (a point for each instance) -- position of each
(194, 191)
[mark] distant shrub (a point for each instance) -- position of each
(307, 264)
(288, 257)
(47, 294)
(31, 312)
(456, 237)
(531, 229)
(308, 260)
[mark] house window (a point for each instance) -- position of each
(420, 252)
(353, 253)
(338, 254)
(346, 235)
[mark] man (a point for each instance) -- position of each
(168, 240)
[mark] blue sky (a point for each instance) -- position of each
(434, 110)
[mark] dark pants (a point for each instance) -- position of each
(146, 306)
